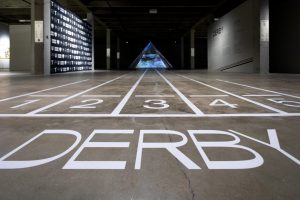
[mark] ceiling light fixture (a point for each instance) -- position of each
(24, 20)
(153, 11)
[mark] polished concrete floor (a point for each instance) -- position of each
(150, 135)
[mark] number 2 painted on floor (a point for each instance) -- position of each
(88, 105)
(159, 104)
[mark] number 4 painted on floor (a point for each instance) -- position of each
(220, 102)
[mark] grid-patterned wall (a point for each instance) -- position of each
(71, 41)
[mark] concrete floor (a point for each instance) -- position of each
(150, 135)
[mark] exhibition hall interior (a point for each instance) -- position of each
(149, 99)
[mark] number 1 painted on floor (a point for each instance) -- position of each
(26, 103)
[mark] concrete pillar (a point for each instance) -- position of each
(90, 20)
(182, 52)
(37, 36)
(192, 49)
(108, 49)
(264, 37)
(47, 37)
(118, 53)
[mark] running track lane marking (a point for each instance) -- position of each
(213, 95)
(196, 110)
(149, 115)
(48, 95)
(102, 95)
(235, 95)
(27, 94)
(154, 95)
(70, 97)
(122, 103)
(252, 87)
(261, 95)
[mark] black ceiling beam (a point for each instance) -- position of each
(114, 14)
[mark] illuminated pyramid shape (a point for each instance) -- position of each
(150, 57)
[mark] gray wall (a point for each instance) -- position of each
(231, 41)
(20, 48)
(4, 45)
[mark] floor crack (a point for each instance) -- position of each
(191, 191)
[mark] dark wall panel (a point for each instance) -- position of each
(285, 36)
(187, 52)
(100, 49)
(200, 53)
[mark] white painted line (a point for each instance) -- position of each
(237, 96)
(122, 103)
(255, 115)
(151, 96)
(27, 94)
(256, 88)
(102, 95)
(273, 140)
(212, 115)
(48, 95)
(26, 103)
(269, 145)
(261, 95)
(196, 110)
(71, 97)
(150, 115)
(217, 95)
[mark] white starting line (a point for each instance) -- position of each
(48, 95)
(117, 110)
(155, 96)
(213, 95)
(102, 96)
(82, 115)
(262, 95)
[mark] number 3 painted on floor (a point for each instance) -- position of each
(159, 104)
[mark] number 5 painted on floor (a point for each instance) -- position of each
(286, 102)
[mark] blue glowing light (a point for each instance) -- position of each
(150, 57)
(151, 61)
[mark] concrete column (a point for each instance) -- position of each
(118, 53)
(90, 20)
(182, 52)
(108, 49)
(192, 49)
(47, 37)
(264, 37)
(37, 43)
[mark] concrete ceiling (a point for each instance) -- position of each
(174, 18)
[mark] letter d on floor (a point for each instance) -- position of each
(32, 163)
